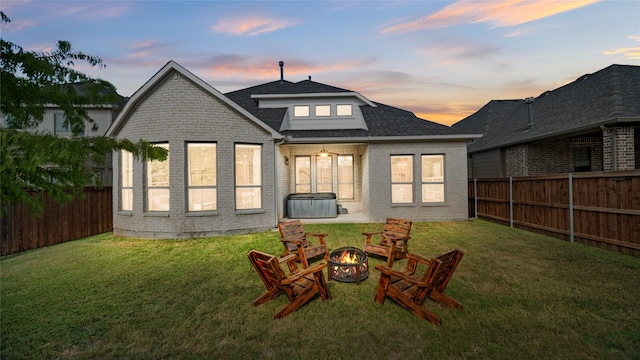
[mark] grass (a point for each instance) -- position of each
(525, 296)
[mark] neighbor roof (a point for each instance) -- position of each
(608, 96)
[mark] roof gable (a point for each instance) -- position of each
(156, 79)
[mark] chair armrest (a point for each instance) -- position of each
(418, 258)
(303, 272)
(386, 270)
(320, 236)
(371, 233)
(287, 258)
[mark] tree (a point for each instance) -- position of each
(29, 160)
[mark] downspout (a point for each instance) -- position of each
(276, 144)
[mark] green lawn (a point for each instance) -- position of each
(525, 296)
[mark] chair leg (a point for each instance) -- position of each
(381, 290)
(294, 305)
(321, 285)
(444, 299)
(269, 295)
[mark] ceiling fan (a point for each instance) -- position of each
(325, 153)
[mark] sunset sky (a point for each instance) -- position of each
(443, 60)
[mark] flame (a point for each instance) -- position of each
(348, 257)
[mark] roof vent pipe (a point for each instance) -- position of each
(281, 63)
(529, 102)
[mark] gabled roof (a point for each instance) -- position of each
(172, 67)
(608, 96)
(383, 122)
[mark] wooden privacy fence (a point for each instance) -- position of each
(599, 209)
(90, 215)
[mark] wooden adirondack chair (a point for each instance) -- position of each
(393, 240)
(294, 239)
(300, 285)
(411, 290)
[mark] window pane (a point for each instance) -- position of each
(301, 111)
(60, 126)
(158, 200)
(401, 193)
(402, 169)
(324, 174)
(432, 193)
(432, 168)
(127, 199)
(344, 110)
(248, 165)
(127, 169)
(345, 177)
(248, 198)
(202, 164)
(202, 199)
(158, 171)
(303, 174)
(323, 110)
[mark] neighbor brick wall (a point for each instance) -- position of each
(550, 157)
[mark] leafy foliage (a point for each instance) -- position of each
(29, 82)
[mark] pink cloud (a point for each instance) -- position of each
(498, 13)
(252, 25)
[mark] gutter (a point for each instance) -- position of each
(370, 139)
(276, 194)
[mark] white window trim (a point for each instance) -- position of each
(201, 187)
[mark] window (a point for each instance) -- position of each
(201, 163)
(59, 127)
(344, 110)
(323, 110)
(301, 111)
(401, 179)
(345, 177)
(248, 176)
(324, 174)
(582, 159)
(126, 176)
(303, 174)
(158, 183)
(432, 178)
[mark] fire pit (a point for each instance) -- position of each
(348, 264)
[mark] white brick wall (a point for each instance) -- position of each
(377, 173)
(177, 111)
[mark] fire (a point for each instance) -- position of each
(348, 257)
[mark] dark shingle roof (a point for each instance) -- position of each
(592, 100)
(382, 120)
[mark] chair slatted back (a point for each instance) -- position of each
(450, 261)
(395, 228)
(293, 231)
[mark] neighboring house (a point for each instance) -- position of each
(102, 115)
(235, 158)
(591, 124)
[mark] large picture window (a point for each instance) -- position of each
(401, 179)
(126, 181)
(201, 170)
(324, 174)
(432, 178)
(345, 177)
(303, 174)
(158, 183)
(248, 176)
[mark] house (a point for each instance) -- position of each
(590, 124)
(235, 158)
(53, 122)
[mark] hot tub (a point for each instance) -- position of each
(312, 205)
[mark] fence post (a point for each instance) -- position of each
(511, 201)
(475, 197)
(571, 229)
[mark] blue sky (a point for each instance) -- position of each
(443, 60)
